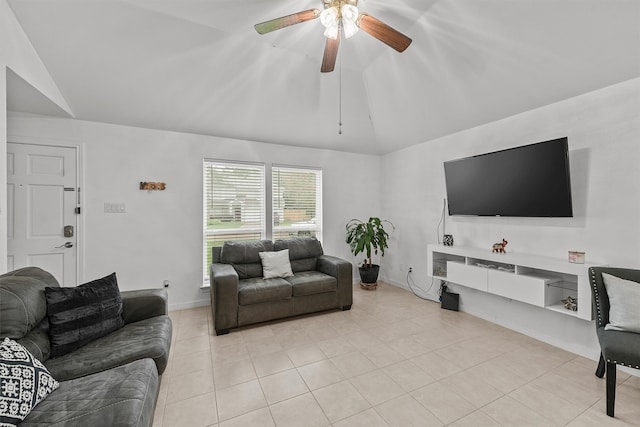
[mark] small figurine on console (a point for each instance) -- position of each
(499, 247)
(570, 303)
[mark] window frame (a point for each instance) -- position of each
(267, 229)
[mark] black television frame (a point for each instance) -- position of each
(514, 182)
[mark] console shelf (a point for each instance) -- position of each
(532, 279)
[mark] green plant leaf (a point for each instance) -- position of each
(368, 237)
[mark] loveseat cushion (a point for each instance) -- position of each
(257, 290)
(245, 256)
(303, 252)
(312, 282)
(123, 396)
(149, 338)
(22, 302)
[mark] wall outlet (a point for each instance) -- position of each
(410, 270)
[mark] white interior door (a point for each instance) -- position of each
(42, 197)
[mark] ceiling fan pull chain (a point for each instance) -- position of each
(340, 93)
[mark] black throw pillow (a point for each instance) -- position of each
(82, 314)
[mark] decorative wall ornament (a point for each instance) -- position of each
(153, 186)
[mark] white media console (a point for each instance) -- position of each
(537, 280)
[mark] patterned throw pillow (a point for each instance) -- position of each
(24, 382)
(82, 314)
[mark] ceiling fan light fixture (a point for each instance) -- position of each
(332, 31)
(349, 13)
(350, 28)
(329, 17)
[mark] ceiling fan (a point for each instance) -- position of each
(339, 16)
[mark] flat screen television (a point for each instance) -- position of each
(527, 181)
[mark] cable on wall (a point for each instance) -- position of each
(410, 280)
(442, 221)
(340, 94)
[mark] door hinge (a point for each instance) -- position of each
(77, 210)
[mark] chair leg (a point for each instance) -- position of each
(601, 366)
(611, 387)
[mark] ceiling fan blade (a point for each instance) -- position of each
(383, 32)
(330, 54)
(285, 21)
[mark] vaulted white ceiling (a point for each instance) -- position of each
(198, 66)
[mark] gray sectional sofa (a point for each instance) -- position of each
(110, 381)
(241, 296)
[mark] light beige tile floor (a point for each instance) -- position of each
(392, 360)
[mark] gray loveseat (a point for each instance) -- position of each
(110, 381)
(240, 296)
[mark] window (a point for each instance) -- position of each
(296, 202)
(234, 205)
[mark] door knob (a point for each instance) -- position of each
(66, 245)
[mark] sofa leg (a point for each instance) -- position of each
(611, 387)
(346, 307)
(601, 367)
(222, 331)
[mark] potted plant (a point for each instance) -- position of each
(368, 237)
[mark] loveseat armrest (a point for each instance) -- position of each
(342, 270)
(224, 297)
(144, 304)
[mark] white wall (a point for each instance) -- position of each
(17, 53)
(160, 235)
(3, 168)
(603, 128)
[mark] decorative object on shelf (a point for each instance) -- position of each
(368, 237)
(447, 239)
(576, 257)
(499, 247)
(570, 303)
(152, 186)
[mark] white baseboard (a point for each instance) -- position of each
(418, 291)
(190, 304)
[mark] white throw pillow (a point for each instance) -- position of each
(276, 264)
(624, 300)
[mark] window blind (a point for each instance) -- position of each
(296, 202)
(234, 205)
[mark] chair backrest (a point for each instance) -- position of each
(23, 309)
(303, 252)
(599, 292)
(244, 256)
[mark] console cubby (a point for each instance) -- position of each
(537, 280)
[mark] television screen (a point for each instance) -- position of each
(528, 181)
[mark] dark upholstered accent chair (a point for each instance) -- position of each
(617, 347)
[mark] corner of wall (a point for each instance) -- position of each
(3, 167)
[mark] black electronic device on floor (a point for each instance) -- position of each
(449, 300)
